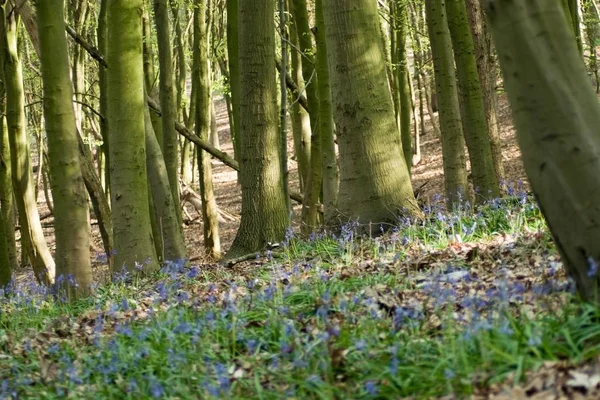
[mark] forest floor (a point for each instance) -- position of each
(469, 304)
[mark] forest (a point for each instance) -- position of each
(299, 199)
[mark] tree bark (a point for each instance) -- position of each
(31, 227)
(129, 185)
(375, 186)
(453, 153)
(557, 115)
(265, 215)
(74, 270)
(474, 120)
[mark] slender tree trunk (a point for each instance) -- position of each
(375, 185)
(403, 82)
(559, 139)
(167, 100)
(214, 131)
(455, 173)
(201, 78)
(299, 116)
(170, 236)
(103, 48)
(475, 126)
(68, 189)
(265, 214)
(591, 23)
(7, 205)
(310, 210)
(22, 176)
(129, 184)
(233, 52)
(331, 175)
(487, 70)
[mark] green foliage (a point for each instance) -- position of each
(410, 313)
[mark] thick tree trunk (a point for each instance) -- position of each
(487, 71)
(68, 190)
(453, 152)
(129, 185)
(331, 174)
(557, 115)
(475, 126)
(375, 185)
(22, 176)
(265, 214)
(201, 81)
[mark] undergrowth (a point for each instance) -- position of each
(452, 305)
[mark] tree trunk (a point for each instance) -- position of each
(375, 185)
(310, 212)
(299, 116)
(68, 189)
(265, 215)
(103, 48)
(402, 76)
(487, 71)
(201, 80)
(557, 115)
(7, 205)
(167, 100)
(453, 152)
(331, 175)
(475, 126)
(129, 185)
(22, 175)
(233, 52)
(169, 229)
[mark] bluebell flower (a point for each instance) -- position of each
(371, 388)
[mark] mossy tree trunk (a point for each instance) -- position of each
(402, 78)
(474, 120)
(7, 204)
(167, 99)
(129, 184)
(299, 117)
(453, 152)
(310, 212)
(331, 174)
(488, 73)
(265, 214)
(201, 81)
(233, 52)
(170, 234)
(557, 115)
(68, 190)
(22, 176)
(375, 185)
(101, 34)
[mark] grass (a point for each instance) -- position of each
(456, 305)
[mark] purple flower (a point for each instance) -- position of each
(371, 388)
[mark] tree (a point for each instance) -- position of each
(557, 115)
(265, 215)
(487, 69)
(375, 185)
(7, 204)
(22, 178)
(474, 120)
(455, 173)
(201, 82)
(68, 190)
(315, 176)
(129, 185)
(233, 53)
(331, 175)
(167, 100)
